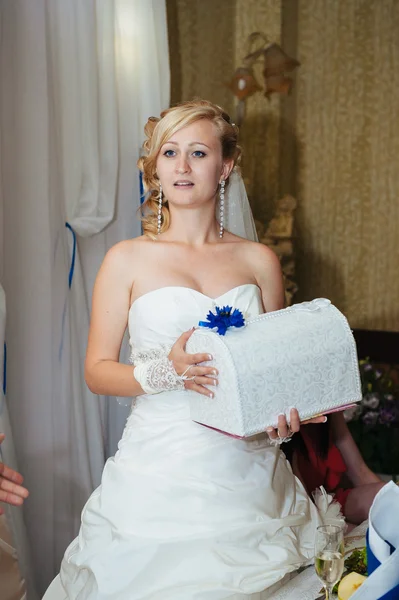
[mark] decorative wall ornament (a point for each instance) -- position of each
(276, 63)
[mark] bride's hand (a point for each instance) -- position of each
(189, 364)
(284, 430)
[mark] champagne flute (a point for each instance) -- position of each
(329, 556)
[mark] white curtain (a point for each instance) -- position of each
(78, 80)
(15, 562)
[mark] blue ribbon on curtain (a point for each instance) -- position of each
(72, 267)
(70, 278)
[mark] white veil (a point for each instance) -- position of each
(238, 218)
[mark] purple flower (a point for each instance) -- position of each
(225, 317)
(370, 418)
(367, 367)
(388, 416)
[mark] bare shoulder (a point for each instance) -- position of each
(266, 268)
(119, 265)
(239, 243)
(259, 254)
(125, 254)
(264, 258)
(126, 249)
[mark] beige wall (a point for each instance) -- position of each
(201, 43)
(207, 42)
(334, 143)
(348, 160)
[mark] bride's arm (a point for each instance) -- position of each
(104, 373)
(110, 306)
(269, 277)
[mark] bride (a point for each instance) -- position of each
(184, 512)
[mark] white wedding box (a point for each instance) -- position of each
(303, 356)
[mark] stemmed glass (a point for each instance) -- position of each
(329, 556)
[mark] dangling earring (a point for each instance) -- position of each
(159, 208)
(221, 218)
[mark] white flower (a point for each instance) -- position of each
(371, 401)
(370, 418)
(352, 413)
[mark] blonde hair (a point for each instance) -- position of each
(159, 131)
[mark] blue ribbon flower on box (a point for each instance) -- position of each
(224, 318)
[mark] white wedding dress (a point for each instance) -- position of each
(185, 512)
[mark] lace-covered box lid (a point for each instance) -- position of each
(303, 356)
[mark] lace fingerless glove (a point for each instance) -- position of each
(158, 375)
(155, 372)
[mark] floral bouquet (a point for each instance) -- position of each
(374, 422)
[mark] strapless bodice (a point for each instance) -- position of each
(162, 315)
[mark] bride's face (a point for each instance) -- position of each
(190, 165)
